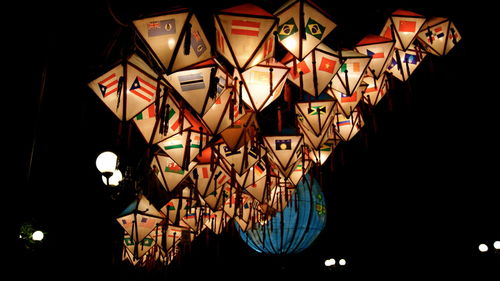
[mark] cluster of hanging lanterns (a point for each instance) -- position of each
(199, 105)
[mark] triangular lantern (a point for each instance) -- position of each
(439, 36)
(158, 122)
(315, 115)
(242, 131)
(243, 158)
(128, 88)
(380, 49)
(302, 26)
(139, 249)
(168, 172)
(376, 89)
(175, 38)
(284, 150)
(347, 103)
(215, 220)
(177, 207)
(185, 146)
(200, 84)
(403, 63)
(139, 218)
(313, 80)
(347, 128)
(208, 178)
(404, 25)
(244, 35)
(224, 112)
(351, 73)
(263, 83)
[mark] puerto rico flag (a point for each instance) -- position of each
(143, 89)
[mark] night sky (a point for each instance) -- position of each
(415, 191)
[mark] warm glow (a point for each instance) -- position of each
(483, 248)
(115, 178)
(106, 162)
(330, 262)
(171, 43)
(496, 245)
(37, 235)
(342, 262)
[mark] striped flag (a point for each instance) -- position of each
(108, 85)
(347, 98)
(143, 89)
(191, 82)
(150, 112)
(243, 27)
(375, 54)
(351, 67)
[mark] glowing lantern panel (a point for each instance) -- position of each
(439, 36)
(380, 49)
(405, 26)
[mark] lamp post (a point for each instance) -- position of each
(106, 163)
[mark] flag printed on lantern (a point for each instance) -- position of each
(347, 103)
(439, 36)
(245, 35)
(316, 115)
(200, 84)
(314, 79)
(128, 88)
(168, 172)
(347, 128)
(284, 150)
(263, 83)
(224, 112)
(302, 26)
(240, 159)
(405, 25)
(175, 38)
(403, 63)
(375, 89)
(209, 178)
(380, 49)
(184, 147)
(157, 124)
(350, 74)
(139, 218)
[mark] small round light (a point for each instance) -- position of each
(329, 262)
(106, 162)
(483, 248)
(342, 262)
(496, 245)
(37, 235)
(115, 178)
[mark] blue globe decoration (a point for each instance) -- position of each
(296, 227)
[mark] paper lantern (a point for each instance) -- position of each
(208, 178)
(240, 159)
(168, 172)
(139, 218)
(216, 221)
(403, 63)
(262, 83)
(347, 128)
(284, 151)
(175, 38)
(404, 25)
(177, 206)
(376, 89)
(380, 49)
(315, 116)
(128, 88)
(296, 227)
(224, 112)
(244, 35)
(242, 131)
(201, 84)
(351, 73)
(302, 26)
(347, 103)
(313, 73)
(439, 36)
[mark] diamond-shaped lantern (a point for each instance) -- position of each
(302, 26)
(242, 131)
(168, 172)
(262, 83)
(176, 39)
(201, 84)
(439, 36)
(347, 103)
(380, 49)
(128, 88)
(376, 89)
(315, 116)
(403, 63)
(244, 35)
(313, 80)
(224, 112)
(351, 73)
(348, 127)
(404, 25)
(285, 151)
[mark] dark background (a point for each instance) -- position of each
(414, 192)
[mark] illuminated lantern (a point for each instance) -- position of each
(138, 250)
(128, 88)
(240, 159)
(200, 84)
(439, 36)
(215, 220)
(300, 168)
(284, 151)
(168, 172)
(347, 103)
(208, 179)
(403, 63)
(296, 227)
(224, 112)
(175, 38)
(255, 181)
(239, 206)
(244, 35)
(347, 128)
(262, 84)
(139, 218)
(315, 116)
(315, 71)
(302, 26)
(404, 25)
(177, 206)
(158, 122)
(375, 90)
(242, 131)
(380, 49)
(350, 74)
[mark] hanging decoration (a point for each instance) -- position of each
(215, 155)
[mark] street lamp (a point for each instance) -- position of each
(106, 163)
